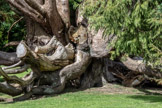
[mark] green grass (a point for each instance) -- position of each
(90, 100)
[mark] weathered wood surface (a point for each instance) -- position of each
(8, 58)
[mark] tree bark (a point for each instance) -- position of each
(10, 90)
(8, 58)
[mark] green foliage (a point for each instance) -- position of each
(7, 18)
(73, 7)
(74, 4)
(137, 23)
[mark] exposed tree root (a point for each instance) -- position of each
(13, 43)
(8, 58)
(9, 89)
(17, 70)
(139, 66)
(14, 79)
(12, 66)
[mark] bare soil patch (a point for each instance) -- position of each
(118, 89)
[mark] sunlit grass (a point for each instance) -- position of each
(90, 100)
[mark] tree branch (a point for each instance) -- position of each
(6, 63)
(12, 79)
(139, 66)
(12, 66)
(64, 11)
(25, 9)
(8, 58)
(16, 71)
(12, 26)
(35, 5)
(15, 79)
(61, 52)
(13, 43)
(10, 90)
(45, 49)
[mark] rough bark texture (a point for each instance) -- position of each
(8, 58)
(59, 54)
(10, 90)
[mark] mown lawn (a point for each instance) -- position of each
(90, 100)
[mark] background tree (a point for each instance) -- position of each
(137, 23)
(9, 30)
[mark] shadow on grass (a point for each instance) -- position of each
(148, 98)
(146, 95)
(147, 92)
(36, 97)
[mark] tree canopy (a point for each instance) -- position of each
(137, 23)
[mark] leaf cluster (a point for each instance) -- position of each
(137, 23)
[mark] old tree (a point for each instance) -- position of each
(62, 52)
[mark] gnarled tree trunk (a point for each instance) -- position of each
(59, 53)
